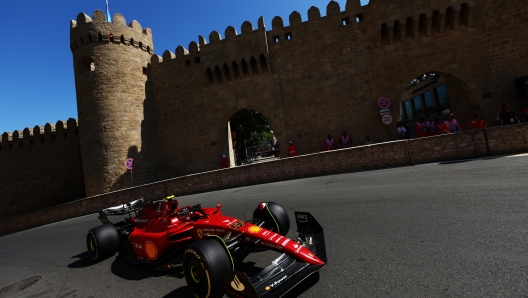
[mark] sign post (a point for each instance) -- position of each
(386, 119)
(384, 104)
(130, 164)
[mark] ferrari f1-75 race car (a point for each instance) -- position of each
(207, 245)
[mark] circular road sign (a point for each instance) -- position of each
(130, 163)
(384, 102)
(386, 119)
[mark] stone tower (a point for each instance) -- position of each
(110, 61)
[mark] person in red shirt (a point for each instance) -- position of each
(292, 149)
(224, 162)
(329, 144)
(450, 125)
(477, 123)
(345, 140)
(421, 128)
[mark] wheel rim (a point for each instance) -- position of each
(194, 274)
(197, 276)
(92, 245)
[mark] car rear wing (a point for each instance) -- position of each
(286, 271)
(124, 209)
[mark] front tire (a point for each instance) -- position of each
(203, 265)
(102, 242)
(274, 216)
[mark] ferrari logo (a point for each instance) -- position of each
(200, 234)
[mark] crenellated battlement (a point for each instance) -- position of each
(50, 132)
(381, 23)
(399, 25)
(86, 30)
(238, 55)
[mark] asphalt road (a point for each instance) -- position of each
(437, 230)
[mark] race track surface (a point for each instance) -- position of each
(455, 229)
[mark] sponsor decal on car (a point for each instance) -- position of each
(141, 220)
(135, 245)
(278, 239)
(200, 233)
(237, 224)
(285, 242)
(192, 251)
(271, 245)
(151, 250)
(237, 284)
(271, 238)
(266, 233)
(302, 217)
(298, 249)
(254, 229)
(276, 283)
(214, 230)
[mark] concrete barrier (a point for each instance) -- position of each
(468, 144)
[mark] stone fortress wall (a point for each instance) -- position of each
(323, 75)
(309, 78)
(40, 167)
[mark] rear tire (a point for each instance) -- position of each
(203, 265)
(102, 242)
(274, 216)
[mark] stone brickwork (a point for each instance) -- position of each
(469, 144)
(323, 75)
(110, 61)
(40, 168)
(309, 78)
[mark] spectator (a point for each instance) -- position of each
(402, 131)
(477, 123)
(450, 125)
(368, 141)
(432, 126)
(292, 149)
(507, 116)
(329, 144)
(224, 162)
(421, 128)
(345, 140)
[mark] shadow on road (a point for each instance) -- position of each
(127, 271)
(84, 261)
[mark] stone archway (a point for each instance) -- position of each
(435, 94)
(226, 129)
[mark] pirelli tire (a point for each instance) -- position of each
(102, 242)
(274, 216)
(203, 265)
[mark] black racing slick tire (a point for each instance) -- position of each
(203, 265)
(274, 216)
(102, 242)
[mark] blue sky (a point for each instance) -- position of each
(36, 75)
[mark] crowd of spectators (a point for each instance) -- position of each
(433, 127)
(423, 128)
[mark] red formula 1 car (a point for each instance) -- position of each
(207, 245)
